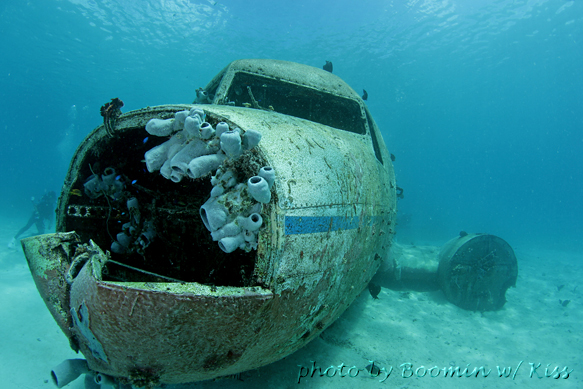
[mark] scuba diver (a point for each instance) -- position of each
(44, 209)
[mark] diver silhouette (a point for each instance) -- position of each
(44, 209)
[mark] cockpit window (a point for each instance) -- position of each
(251, 90)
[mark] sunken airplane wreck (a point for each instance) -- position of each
(199, 241)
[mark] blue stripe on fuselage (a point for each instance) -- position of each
(295, 225)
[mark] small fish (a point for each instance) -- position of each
(560, 287)
(564, 303)
(134, 181)
(327, 66)
(118, 177)
(463, 233)
(364, 95)
(76, 192)
(374, 289)
(145, 140)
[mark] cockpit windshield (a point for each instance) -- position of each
(254, 91)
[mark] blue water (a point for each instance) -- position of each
(480, 101)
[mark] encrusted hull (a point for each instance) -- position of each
(180, 309)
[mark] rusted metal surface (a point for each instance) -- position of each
(475, 271)
(49, 258)
(174, 338)
(170, 337)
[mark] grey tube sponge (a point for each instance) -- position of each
(104, 381)
(160, 127)
(231, 243)
(124, 239)
(268, 173)
(107, 184)
(197, 111)
(224, 178)
(117, 248)
(231, 143)
(179, 118)
(93, 186)
(220, 128)
(259, 189)
(239, 223)
(156, 156)
(176, 175)
(252, 222)
(217, 190)
(179, 163)
(204, 164)
(214, 215)
(108, 176)
(148, 234)
(206, 131)
(192, 126)
(229, 229)
(132, 204)
(166, 170)
(68, 371)
(250, 139)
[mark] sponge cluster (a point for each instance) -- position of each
(232, 214)
(195, 148)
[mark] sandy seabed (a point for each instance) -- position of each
(414, 336)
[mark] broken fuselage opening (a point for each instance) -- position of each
(166, 238)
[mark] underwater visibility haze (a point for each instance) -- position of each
(480, 102)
